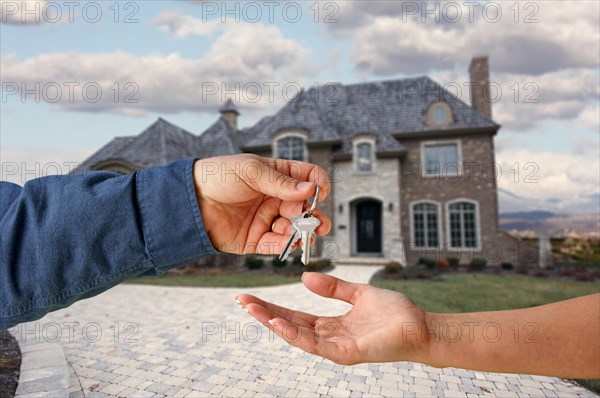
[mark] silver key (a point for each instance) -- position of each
(294, 237)
(306, 226)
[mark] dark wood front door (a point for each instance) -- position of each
(368, 227)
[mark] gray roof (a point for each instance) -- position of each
(386, 109)
(331, 113)
(163, 142)
(229, 106)
(218, 140)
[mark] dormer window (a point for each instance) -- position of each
(364, 154)
(292, 147)
(439, 114)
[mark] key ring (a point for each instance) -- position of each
(313, 206)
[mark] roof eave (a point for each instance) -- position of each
(448, 132)
(379, 154)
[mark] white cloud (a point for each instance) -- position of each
(549, 62)
(25, 12)
(234, 66)
(181, 25)
(523, 101)
(544, 175)
(21, 164)
(390, 39)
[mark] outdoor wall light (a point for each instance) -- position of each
(391, 207)
(340, 209)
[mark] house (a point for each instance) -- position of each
(412, 166)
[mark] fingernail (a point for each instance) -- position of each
(303, 186)
(302, 277)
(246, 309)
(270, 321)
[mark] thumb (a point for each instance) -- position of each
(331, 287)
(278, 185)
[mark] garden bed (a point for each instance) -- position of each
(10, 364)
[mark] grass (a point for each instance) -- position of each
(480, 292)
(248, 279)
(477, 292)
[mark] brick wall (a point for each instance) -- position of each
(477, 182)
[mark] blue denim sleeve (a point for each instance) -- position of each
(66, 238)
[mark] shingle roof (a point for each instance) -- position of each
(164, 142)
(229, 106)
(385, 109)
(330, 113)
(218, 140)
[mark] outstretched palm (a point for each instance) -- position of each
(381, 326)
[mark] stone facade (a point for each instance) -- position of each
(351, 186)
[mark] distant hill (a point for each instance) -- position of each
(511, 203)
(548, 223)
(536, 215)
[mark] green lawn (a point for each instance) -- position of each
(477, 292)
(248, 279)
(480, 292)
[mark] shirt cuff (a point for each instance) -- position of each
(172, 225)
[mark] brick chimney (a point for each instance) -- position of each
(229, 113)
(479, 72)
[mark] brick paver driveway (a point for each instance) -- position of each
(166, 341)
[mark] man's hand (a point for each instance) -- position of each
(382, 325)
(247, 201)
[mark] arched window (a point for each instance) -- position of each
(290, 147)
(425, 220)
(364, 156)
(463, 224)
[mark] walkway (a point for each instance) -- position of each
(150, 341)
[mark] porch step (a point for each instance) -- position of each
(362, 261)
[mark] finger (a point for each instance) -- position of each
(302, 171)
(332, 287)
(325, 226)
(269, 243)
(276, 311)
(282, 226)
(272, 182)
(294, 334)
(290, 209)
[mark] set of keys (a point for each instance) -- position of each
(303, 229)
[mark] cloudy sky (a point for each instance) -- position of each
(76, 74)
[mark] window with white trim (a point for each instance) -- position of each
(441, 158)
(462, 217)
(425, 225)
(290, 147)
(364, 156)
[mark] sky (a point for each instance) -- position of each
(76, 74)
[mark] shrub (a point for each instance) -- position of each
(540, 274)
(297, 261)
(276, 262)
(478, 264)
(453, 261)
(442, 263)
(522, 270)
(319, 265)
(427, 262)
(417, 272)
(584, 277)
(393, 267)
(507, 265)
(254, 262)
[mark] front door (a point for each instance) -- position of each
(368, 227)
